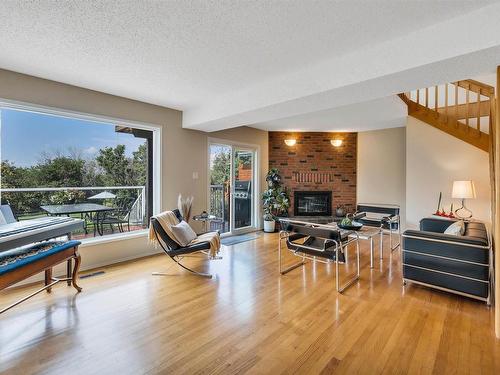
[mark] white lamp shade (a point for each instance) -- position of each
(290, 142)
(463, 189)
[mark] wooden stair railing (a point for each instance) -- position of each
(460, 118)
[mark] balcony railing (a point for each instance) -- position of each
(26, 202)
(219, 207)
(217, 201)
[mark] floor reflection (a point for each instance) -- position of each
(21, 333)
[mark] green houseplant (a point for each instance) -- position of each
(275, 200)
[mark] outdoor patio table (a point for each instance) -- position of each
(84, 209)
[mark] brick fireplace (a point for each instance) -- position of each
(313, 164)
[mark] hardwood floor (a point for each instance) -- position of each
(248, 319)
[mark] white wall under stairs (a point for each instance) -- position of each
(434, 160)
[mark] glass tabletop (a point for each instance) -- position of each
(65, 209)
(204, 218)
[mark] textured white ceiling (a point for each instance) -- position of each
(196, 55)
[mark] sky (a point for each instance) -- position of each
(25, 136)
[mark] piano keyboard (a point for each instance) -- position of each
(20, 233)
(27, 225)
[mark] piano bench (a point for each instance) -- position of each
(19, 264)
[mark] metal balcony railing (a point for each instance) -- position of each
(26, 202)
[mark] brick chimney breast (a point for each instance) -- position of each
(314, 164)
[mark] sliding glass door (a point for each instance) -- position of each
(243, 187)
(232, 187)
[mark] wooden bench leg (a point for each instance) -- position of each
(78, 260)
(68, 271)
(48, 279)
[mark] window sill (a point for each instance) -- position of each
(113, 238)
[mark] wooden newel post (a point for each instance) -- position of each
(495, 139)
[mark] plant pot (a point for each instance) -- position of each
(269, 226)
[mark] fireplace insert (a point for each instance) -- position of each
(312, 203)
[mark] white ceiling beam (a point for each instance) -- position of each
(464, 46)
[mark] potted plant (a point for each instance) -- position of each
(269, 223)
(275, 199)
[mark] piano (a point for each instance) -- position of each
(25, 232)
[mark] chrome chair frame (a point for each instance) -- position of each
(339, 246)
(389, 220)
(166, 247)
(393, 220)
(177, 259)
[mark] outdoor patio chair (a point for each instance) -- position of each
(319, 243)
(8, 215)
(119, 217)
(174, 250)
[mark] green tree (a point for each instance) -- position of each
(111, 167)
(221, 168)
(115, 165)
(140, 165)
(60, 171)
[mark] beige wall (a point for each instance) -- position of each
(381, 167)
(434, 160)
(183, 151)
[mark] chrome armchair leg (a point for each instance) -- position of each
(398, 244)
(341, 288)
(292, 267)
(186, 268)
(391, 232)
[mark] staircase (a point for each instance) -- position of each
(463, 109)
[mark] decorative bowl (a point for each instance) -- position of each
(354, 226)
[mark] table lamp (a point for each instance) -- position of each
(463, 190)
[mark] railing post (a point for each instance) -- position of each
(143, 203)
(478, 125)
(446, 101)
(436, 99)
(467, 94)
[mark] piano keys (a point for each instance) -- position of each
(25, 232)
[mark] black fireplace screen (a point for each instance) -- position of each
(312, 203)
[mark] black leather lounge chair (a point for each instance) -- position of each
(172, 248)
(317, 242)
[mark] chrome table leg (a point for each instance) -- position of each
(371, 252)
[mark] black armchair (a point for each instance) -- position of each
(457, 264)
(383, 216)
(319, 243)
(173, 249)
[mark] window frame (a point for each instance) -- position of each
(156, 145)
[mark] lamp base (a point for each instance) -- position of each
(463, 212)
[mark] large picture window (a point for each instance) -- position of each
(59, 165)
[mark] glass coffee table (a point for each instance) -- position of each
(367, 233)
